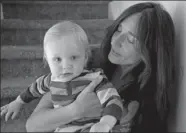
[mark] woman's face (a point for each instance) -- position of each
(124, 42)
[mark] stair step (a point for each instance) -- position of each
(45, 24)
(27, 61)
(53, 10)
(12, 87)
(26, 32)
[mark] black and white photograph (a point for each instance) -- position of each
(93, 66)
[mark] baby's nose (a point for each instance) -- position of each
(66, 64)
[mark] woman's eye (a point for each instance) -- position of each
(130, 39)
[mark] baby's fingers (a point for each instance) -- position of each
(4, 111)
(14, 115)
(132, 110)
(8, 114)
(3, 107)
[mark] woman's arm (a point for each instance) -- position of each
(46, 119)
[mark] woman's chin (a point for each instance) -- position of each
(117, 61)
(113, 59)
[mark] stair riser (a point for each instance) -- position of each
(23, 68)
(35, 67)
(55, 11)
(35, 37)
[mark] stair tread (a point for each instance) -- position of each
(53, 2)
(12, 87)
(16, 82)
(27, 52)
(45, 24)
(60, 10)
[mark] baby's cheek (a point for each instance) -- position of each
(56, 70)
(79, 67)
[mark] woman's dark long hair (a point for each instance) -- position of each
(156, 37)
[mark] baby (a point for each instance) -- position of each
(66, 51)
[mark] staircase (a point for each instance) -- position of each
(22, 32)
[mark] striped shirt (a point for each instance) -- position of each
(64, 93)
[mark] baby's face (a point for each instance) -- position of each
(66, 58)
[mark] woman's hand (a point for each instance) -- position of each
(87, 103)
(126, 121)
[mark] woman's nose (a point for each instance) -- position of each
(119, 40)
(115, 40)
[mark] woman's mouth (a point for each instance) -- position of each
(114, 53)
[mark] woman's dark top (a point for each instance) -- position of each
(146, 119)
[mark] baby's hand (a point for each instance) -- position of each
(11, 109)
(100, 127)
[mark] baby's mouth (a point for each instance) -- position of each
(66, 74)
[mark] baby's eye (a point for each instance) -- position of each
(57, 59)
(74, 57)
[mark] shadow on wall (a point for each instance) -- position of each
(178, 103)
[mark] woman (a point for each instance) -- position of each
(138, 59)
(139, 44)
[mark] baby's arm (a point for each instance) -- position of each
(112, 113)
(105, 125)
(37, 89)
(112, 104)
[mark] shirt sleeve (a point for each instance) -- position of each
(109, 98)
(36, 89)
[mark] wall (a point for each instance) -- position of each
(117, 7)
(1, 9)
(177, 95)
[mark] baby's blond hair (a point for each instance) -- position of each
(67, 28)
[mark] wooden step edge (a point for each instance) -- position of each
(56, 2)
(12, 87)
(16, 82)
(27, 52)
(45, 24)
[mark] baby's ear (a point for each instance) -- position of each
(45, 60)
(87, 56)
(86, 60)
